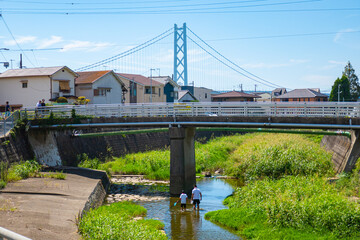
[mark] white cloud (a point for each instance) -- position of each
(21, 40)
(337, 62)
(49, 42)
(339, 35)
(81, 45)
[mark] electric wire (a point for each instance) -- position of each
(8, 28)
(128, 52)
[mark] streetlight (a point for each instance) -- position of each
(151, 69)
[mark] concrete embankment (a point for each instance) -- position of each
(45, 208)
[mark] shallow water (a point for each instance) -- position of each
(191, 224)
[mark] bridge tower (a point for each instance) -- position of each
(180, 55)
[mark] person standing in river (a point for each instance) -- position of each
(183, 198)
(196, 197)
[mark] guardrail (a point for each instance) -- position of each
(293, 109)
(9, 235)
(7, 123)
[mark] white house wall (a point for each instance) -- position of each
(86, 91)
(63, 75)
(11, 90)
(115, 94)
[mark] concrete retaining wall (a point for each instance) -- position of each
(339, 146)
(68, 148)
(15, 148)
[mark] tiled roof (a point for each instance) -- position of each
(234, 94)
(90, 76)
(140, 79)
(31, 72)
(302, 93)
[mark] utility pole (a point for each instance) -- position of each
(339, 92)
(151, 69)
(255, 87)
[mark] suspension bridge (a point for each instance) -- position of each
(195, 62)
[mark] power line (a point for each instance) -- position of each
(283, 36)
(169, 12)
(128, 52)
(184, 6)
(2, 17)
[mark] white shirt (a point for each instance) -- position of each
(196, 193)
(183, 198)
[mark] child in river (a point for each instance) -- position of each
(183, 198)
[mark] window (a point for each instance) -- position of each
(24, 83)
(205, 95)
(64, 86)
(147, 90)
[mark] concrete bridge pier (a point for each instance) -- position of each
(182, 160)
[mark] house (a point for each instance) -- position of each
(264, 96)
(26, 86)
(100, 87)
(142, 89)
(171, 88)
(186, 96)
(234, 96)
(200, 93)
(302, 95)
(278, 92)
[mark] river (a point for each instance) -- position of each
(192, 224)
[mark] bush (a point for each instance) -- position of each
(61, 100)
(23, 170)
(278, 155)
(307, 204)
(116, 222)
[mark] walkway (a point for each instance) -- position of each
(44, 208)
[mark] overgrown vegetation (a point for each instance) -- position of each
(287, 193)
(23, 170)
(116, 221)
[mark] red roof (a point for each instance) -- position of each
(140, 79)
(235, 94)
(90, 76)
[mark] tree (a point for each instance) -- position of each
(343, 85)
(349, 72)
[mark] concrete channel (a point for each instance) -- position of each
(46, 208)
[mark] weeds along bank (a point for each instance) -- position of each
(121, 220)
(287, 192)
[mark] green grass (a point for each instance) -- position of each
(278, 155)
(116, 222)
(23, 170)
(293, 204)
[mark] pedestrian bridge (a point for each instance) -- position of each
(183, 119)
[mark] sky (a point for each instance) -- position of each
(273, 43)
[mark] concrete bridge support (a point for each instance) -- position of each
(182, 160)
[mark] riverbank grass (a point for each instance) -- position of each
(23, 170)
(118, 221)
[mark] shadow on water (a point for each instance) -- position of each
(191, 224)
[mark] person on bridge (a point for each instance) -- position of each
(196, 197)
(7, 109)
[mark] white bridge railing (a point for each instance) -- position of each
(293, 109)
